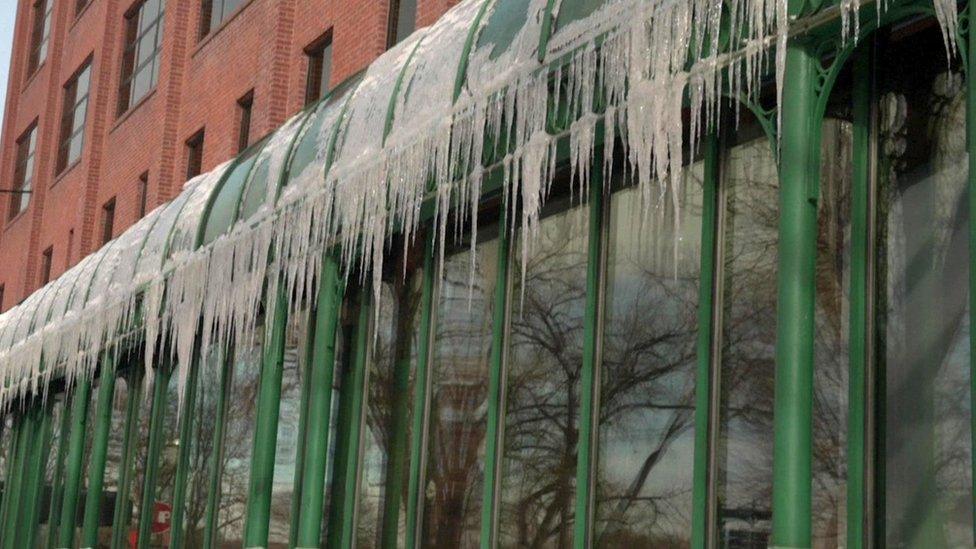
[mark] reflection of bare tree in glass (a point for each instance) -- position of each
(453, 491)
(543, 395)
(200, 462)
(643, 491)
(748, 345)
(389, 410)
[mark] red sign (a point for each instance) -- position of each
(162, 514)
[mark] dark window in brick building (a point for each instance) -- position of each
(143, 193)
(40, 34)
(1, 297)
(319, 54)
(73, 114)
(194, 155)
(214, 12)
(401, 21)
(23, 182)
(140, 58)
(108, 221)
(67, 251)
(244, 107)
(46, 265)
(80, 5)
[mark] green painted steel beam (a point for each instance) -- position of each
(420, 408)
(462, 73)
(298, 482)
(99, 452)
(351, 479)
(796, 283)
(860, 336)
(261, 482)
(157, 417)
(30, 498)
(589, 375)
(321, 377)
(80, 401)
(14, 436)
(26, 434)
(186, 444)
(705, 390)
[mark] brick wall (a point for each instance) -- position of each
(260, 47)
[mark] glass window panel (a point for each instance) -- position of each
(458, 397)
(141, 83)
(389, 412)
(341, 368)
(647, 376)
(145, 47)
(113, 460)
(131, 510)
(288, 438)
(924, 296)
(74, 147)
(235, 462)
(168, 457)
(745, 446)
(78, 123)
(83, 79)
(831, 336)
(53, 477)
(202, 449)
(544, 362)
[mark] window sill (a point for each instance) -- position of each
(64, 173)
(11, 221)
(205, 39)
(132, 108)
(33, 75)
(78, 14)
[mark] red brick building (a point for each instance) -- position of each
(111, 104)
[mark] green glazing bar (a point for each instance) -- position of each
(213, 475)
(54, 513)
(120, 516)
(793, 405)
(701, 476)
(157, 416)
(342, 441)
(14, 458)
(860, 248)
(17, 486)
(186, 443)
(99, 452)
(32, 496)
(356, 420)
(589, 376)
(321, 375)
(80, 401)
(414, 493)
(971, 147)
(495, 380)
(266, 428)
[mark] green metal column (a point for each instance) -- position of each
(57, 493)
(76, 454)
(266, 428)
(857, 499)
(24, 446)
(213, 475)
(704, 390)
(31, 497)
(414, 492)
(157, 417)
(496, 373)
(321, 373)
(96, 469)
(793, 409)
(589, 381)
(12, 475)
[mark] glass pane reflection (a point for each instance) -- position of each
(459, 388)
(543, 372)
(204, 416)
(924, 297)
(647, 377)
(745, 451)
(389, 412)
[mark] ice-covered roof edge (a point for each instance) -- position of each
(629, 54)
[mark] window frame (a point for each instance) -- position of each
(194, 153)
(40, 34)
(107, 221)
(130, 66)
(24, 171)
(318, 72)
(70, 105)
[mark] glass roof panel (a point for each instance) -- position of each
(266, 176)
(221, 212)
(187, 226)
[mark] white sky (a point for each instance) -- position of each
(8, 11)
